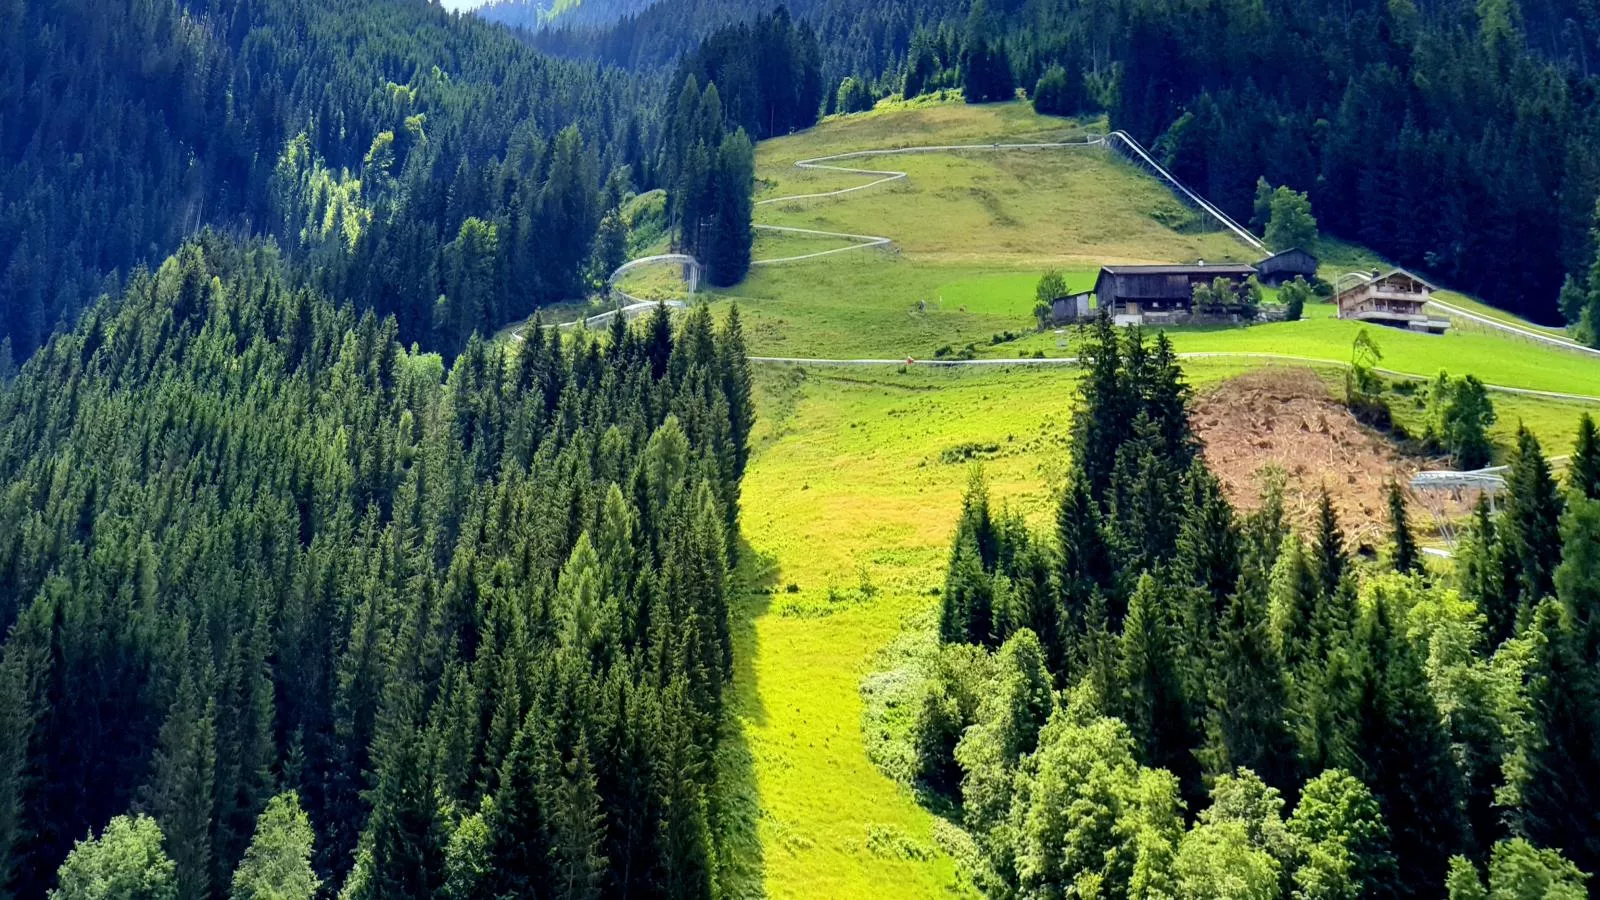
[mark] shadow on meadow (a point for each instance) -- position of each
(742, 866)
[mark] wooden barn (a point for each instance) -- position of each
(1136, 291)
(1285, 265)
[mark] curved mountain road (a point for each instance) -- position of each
(866, 241)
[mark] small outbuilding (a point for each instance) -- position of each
(1072, 307)
(1134, 292)
(1286, 265)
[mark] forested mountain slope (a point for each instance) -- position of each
(362, 133)
(1458, 138)
(473, 616)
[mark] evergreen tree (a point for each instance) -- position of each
(1405, 558)
(1330, 557)
(1553, 774)
(180, 792)
(1245, 718)
(1154, 705)
(1530, 526)
(1404, 755)
(1583, 471)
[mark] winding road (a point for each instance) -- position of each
(1118, 141)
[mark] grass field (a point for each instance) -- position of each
(853, 488)
(856, 473)
(974, 230)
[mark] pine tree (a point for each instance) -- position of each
(1404, 756)
(179, 794)
(1530, 527)
(1583, 471)
(1331, 559)
(1405, 558)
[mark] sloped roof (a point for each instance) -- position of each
(1198, 269)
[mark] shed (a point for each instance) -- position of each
(1071, 307)
(1285, 265)
(1135, 290)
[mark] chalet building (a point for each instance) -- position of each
(1134, 293)
(1285, 265)
(1397, 299)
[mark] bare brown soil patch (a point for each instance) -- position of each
(1287, 417)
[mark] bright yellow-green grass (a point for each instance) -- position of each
(1490, 355)
(852, 491)
(847, 499)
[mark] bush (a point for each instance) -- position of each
(1055, 94)
(1294, 296)
(854, 96)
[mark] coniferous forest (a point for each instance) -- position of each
(470, 620)
(319, 580)
(1160, 697)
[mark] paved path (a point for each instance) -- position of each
(1072, 361)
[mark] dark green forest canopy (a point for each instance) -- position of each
(125, 126)
(475, 615)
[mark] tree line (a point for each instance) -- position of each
(1161, 696)
(288, 605)
(1451, 137)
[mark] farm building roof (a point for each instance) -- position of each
(1197, 269)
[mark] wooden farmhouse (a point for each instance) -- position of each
(1135, 293)
(1285, 265)
(1397, 299)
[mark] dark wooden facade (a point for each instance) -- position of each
(1135, 290)
(1285, 265)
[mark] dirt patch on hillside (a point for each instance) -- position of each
(1287, 417)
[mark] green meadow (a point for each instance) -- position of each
(851, 495)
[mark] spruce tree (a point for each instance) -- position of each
(1084, 558)
(1530, 526)
(1246, 714)
(1577, 579)
(1330, 558)
(180, 793)
(1583, 471)
(1404, 756)
(1405, 557)
(1208, 540)
(1553, 773)
(1154, 705)
(1481, 576)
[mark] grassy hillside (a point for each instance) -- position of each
(974, 230)
(850, 498)
(856, 473)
